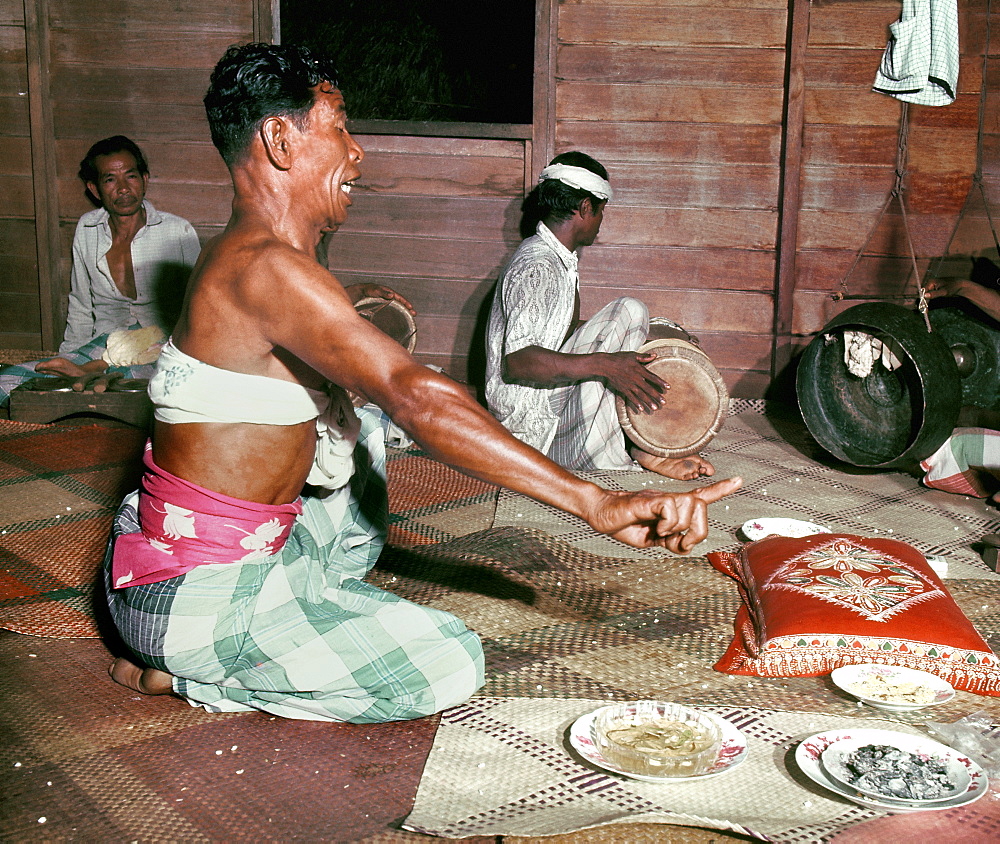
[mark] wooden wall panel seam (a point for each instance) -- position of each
(42, 165)
(543, 137)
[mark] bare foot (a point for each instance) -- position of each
(147, 681)
(687, 468)
(60, 366)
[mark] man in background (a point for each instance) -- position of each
(130, 266)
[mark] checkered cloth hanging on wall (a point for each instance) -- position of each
(920, 63)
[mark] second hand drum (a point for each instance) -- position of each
(390, 317)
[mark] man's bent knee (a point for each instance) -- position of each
(461, 673)
(630, 310)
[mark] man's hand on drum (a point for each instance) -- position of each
(675, 521)
(626, 375)
(357, 292)
(92, 376)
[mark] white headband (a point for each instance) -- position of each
(578, 177)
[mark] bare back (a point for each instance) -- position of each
(233, 294)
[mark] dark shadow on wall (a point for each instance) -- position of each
(513, 221)
(477, 348)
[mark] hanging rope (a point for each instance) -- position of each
(897, 190)
(897, 194)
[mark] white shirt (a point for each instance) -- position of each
(163, 253)
(533, 305)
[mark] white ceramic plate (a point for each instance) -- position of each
(731, 753)
(808, 757)
(938, 563)
(835, 762)
(759, 528)
(850, 677)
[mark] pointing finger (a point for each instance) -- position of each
(720, 489)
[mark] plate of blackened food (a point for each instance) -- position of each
(891, 770)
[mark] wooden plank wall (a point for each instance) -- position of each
(974, 235)
(139, 69)
(104, 68)
(20, 307)
(851, 139)
(435, 219)
(682, 100)
(991, 135)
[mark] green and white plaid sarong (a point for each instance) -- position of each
(300, 634)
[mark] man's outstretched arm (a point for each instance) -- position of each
(319, 325)
(984, 298)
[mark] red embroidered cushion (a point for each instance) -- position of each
(814, 603)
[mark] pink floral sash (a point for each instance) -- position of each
(185, 525)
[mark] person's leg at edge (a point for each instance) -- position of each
(127, 671)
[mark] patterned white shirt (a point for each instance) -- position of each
(163, 254)
(533, 305)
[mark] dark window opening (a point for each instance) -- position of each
(468, 61)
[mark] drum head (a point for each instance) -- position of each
(391, 318)
(696, 403)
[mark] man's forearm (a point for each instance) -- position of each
(452, 428)
(984, 298)
(540, 367)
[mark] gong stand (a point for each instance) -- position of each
(895, 194)
(894, 418)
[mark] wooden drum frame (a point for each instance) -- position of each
(390, 317)
(696, 405)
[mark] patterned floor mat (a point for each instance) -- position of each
(786, 474)
(506, 767)
(562, 617)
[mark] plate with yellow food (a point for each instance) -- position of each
(892, 687)
(658, 741)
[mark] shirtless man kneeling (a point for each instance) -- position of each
(236, 574)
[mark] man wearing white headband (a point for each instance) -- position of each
(551, 379)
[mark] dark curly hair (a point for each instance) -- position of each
(255, 81)
(555, 200)
(109, 146)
